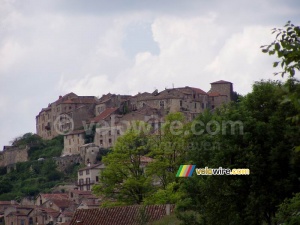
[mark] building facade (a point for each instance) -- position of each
(65, 114)
(88, 176)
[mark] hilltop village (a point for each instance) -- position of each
(75, 117)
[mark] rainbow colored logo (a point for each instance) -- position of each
(185, 170)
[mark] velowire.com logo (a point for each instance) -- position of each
(187, 171)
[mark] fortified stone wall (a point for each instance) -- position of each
(64, 162)
(11, 155)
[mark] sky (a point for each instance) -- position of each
(52, 47)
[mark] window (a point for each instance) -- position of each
(195, 105)
(109, 141)
(101, 142)
(162, 104)
(88, 181)
(202, 105)
(180, 103)
(212, 106)
(213, 98)
(109, 133)
(80, 173)
(118, 132)
(81, 181)
(22, 222)
(72, 195)
(88, 187)
(69, 141)
(97, 178)
(87, 172)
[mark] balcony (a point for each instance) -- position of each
(84, 182)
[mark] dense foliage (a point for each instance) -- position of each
(35, 176)
(39, 148)
(261, 138)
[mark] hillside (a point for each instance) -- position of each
(35, 176)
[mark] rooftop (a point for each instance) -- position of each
(107, 112)
(122, 215)
(221, 82)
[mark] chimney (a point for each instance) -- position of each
(168, 209)
(60, 97)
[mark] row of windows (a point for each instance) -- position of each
(65, 108)
(70, 140)
(109, 141)
(87, 172)
(109, 133)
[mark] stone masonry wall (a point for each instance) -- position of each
(12, 155)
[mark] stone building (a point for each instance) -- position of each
(64, 162)
(12, 155)
(221, 92)
(89, 176)
(106, 132)
(112, 101)
(65, 114)
(73, 141)
(16, 214)
(186, 99)
(89, 153)
(78, 196)
(113, 125)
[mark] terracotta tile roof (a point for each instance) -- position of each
(80, 100)
(55, 196)
(198, 91)
(7, 203)
(107, 112)
(141, 95)
(63, 98)
(221, 82)
(122, 215)
(63, 203)
(79, 192)
(213, 94)
(67, 214)
(49, 211)
(105, 97)
(91, 167)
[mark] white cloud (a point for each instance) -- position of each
(241, 58)
(199, 42)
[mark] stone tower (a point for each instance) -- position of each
(223, 88)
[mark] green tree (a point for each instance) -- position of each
(289, 211)
(168, 148)
(265, 147)
(124, 179)
(286, 47)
